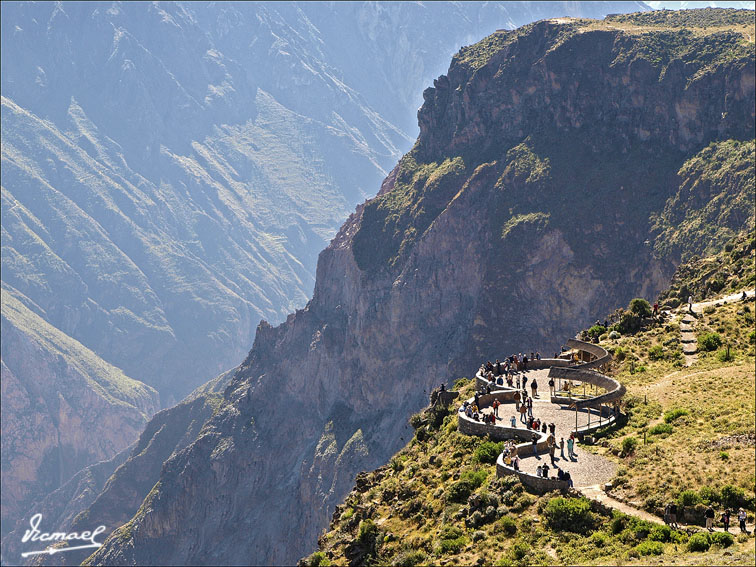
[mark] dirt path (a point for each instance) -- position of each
(595, 493)
(688, 323)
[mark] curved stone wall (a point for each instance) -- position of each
(469, 426)
(601, 354)
(614, 390)
(537, 483)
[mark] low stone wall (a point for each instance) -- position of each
(601, 354)
(614, 390)
(537, 483)
(469, 426)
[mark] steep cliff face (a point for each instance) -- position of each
(523, 211)
(72, 409)
(110, 492)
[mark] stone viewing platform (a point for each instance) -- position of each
(581, 401)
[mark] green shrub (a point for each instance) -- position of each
(508, 526)
(317, 559)
(724, 455)
(520, 550)
(673, 414)
(732, 497)
(599, 539)
(722, 539)
(368, 532)
(467, 483)
(650, 548)
(699, 542)
(461, 383)
(451, 540)
(660, 533)
(409, 558)
(688, 498)
(629, 323)
(596, 331)
(618, 523)
(709, 341)
(628, 445)
(569, 514)
(725, 355)
(708, 494)
(640, 307)
(661, 429)
(616, 335)
(417, 420)
(656, 352)
(488, 452)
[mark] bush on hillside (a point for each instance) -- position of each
(688, 498)
(656, 352)
(595, 332)
(722, 539)
(488, 452)
(673, 414)
(628, 445)
(650, 548)
(569, 514)
(733, 497)
(709, 341)
(699, 542)
(640, 307)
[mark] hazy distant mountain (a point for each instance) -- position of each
(170, 171)
(699, 4)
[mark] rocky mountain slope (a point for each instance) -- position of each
(63, 406)
(438, 501)
(170, 170)
(525, 209)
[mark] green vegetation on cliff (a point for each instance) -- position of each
(393, 222)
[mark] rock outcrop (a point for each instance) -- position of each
(522, 212)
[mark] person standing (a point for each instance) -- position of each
(534, 388)
(552, 450)
(552, 390)
(742, 518)
(709, 515)
(570, 447)
(530, 407)
(561, 447)
(673, 515)
(496, 407)
(534, 441)
(726, 520)
(690, 303)
(523, 411)
(513, 421)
